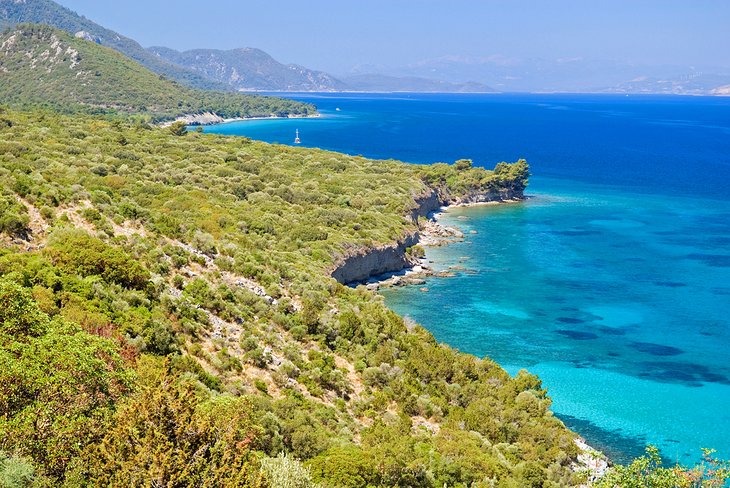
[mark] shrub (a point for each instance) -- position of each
(285, 472)
(261, 386)
(178, 128)
(44, 365)
(463, 164)
(14, 218)
(197, 440)
(77, 252)
(15, 472)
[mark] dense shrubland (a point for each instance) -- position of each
(167, 318)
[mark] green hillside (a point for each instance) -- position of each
(188, 278)
(48, 12)
(42, 66)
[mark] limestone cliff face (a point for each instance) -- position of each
(426, 204)
(364, 263)
(436, 198)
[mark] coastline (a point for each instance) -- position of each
(591, 461)
(268, 117)
(210, 118)
(431, 233)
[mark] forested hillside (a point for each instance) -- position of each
(45, 67)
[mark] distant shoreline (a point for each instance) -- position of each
(267, 117)
(209, 118)
(518, 92)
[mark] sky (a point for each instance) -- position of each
(335, 35)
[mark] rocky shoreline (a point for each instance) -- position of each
(386, 264)
(591, 462)
(431, 234)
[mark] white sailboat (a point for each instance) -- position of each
(296, 139)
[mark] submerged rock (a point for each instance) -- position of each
(445, 274)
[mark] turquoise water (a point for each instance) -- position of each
(611, 282)
(619, 303)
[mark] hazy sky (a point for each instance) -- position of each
(334, 35)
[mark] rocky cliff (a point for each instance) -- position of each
(364, 263)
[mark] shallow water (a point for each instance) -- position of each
(612, 282)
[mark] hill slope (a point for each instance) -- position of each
(250, 69)
(43, 66)
(51, 13)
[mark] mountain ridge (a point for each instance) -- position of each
(249, 69)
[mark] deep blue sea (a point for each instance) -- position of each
(611, 282)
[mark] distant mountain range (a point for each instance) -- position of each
(250, 69)
(566, 75)
(374, 82)
(245, 69)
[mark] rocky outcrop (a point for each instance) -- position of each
(426, 204)
(87, 36)
(473, 197)
(206, 118)
(361, 264)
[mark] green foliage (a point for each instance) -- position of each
(178, 129)
(167, 434)
(13, 216)
(286, 472)
(648, 472)
(217, 253)
(463, 164)
(505, 181)
(514, 176)
(51, 13)
(15, 472)
(345, 467)
(57, 383)
(20, 316)
(75, 251)
(84, 77)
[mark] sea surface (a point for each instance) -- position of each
(611, 282)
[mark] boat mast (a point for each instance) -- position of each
(296, 139)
